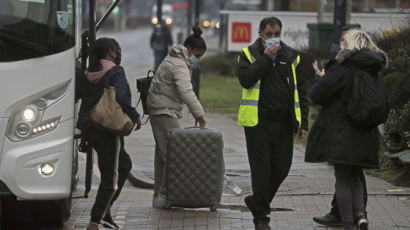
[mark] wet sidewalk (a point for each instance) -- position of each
(307, 192)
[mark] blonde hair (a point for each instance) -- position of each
(359, 40)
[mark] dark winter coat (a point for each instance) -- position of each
(333, 138)
(276, 96)
(93, 92)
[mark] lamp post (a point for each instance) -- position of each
(159, 11)
(339, 20)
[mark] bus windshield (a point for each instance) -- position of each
(35, 28)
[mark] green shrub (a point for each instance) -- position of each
(397, 79)
(398, 89)
(220, 64)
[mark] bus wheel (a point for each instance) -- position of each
(42, 214)
(62, 211)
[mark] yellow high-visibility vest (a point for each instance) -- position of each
(248, 110)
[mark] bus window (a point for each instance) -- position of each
(35, 28)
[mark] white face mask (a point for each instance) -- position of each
(270, 41)
(193, 59)
(342, 45)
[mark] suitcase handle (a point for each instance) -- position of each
(194, 127)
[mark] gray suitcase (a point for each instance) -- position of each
(195, 168)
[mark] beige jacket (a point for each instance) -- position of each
(171, 87)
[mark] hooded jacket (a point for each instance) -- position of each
(171, 86)
(333, 138)
(93, 87)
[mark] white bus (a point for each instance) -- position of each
(39, 42)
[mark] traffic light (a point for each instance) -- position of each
(185, 5)
(175, 6)
(116, 10)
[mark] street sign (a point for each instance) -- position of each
(241, 32)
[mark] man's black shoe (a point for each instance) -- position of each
(108, 222)
(329, 220)
(262, 224)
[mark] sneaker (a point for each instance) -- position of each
(362, 222)
(159, 201)
(330, 219)
(92, 226)
(109, 223)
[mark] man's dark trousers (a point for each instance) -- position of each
(270, 150)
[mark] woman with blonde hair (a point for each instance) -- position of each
(335, 137)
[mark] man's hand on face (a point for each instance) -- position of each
(271, 50)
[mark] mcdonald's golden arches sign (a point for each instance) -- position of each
(241, 32)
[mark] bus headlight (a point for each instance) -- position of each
(27, 120)
(46, 169)
(28, 114)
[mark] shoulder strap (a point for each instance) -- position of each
(109, 77)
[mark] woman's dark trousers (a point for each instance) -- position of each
(335, 207)
(114, 164)
(349, 193)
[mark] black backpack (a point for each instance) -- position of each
(367, 103)
(143, 87)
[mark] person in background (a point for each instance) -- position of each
(170, 89)
(161, 40)
(273, 108)
(113, 161)
(334, 138)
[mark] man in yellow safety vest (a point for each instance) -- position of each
(273, 107)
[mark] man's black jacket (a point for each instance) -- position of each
(276, 97)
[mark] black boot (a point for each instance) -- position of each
(330, 219)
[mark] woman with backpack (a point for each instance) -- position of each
(170, 89)
(337, 136)
(113, 161)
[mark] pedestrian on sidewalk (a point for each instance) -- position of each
(334, 138)
(274, 107)
(113, 161)
(171, 88)
(160, 41)
(333, 217)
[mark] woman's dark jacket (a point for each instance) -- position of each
(276, 97)
(333, 138)
(91, 93)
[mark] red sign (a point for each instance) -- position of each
(241, 32)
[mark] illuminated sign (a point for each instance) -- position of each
(241, 32)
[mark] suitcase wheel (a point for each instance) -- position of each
(167, 205)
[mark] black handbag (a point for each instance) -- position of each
(143, 87)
